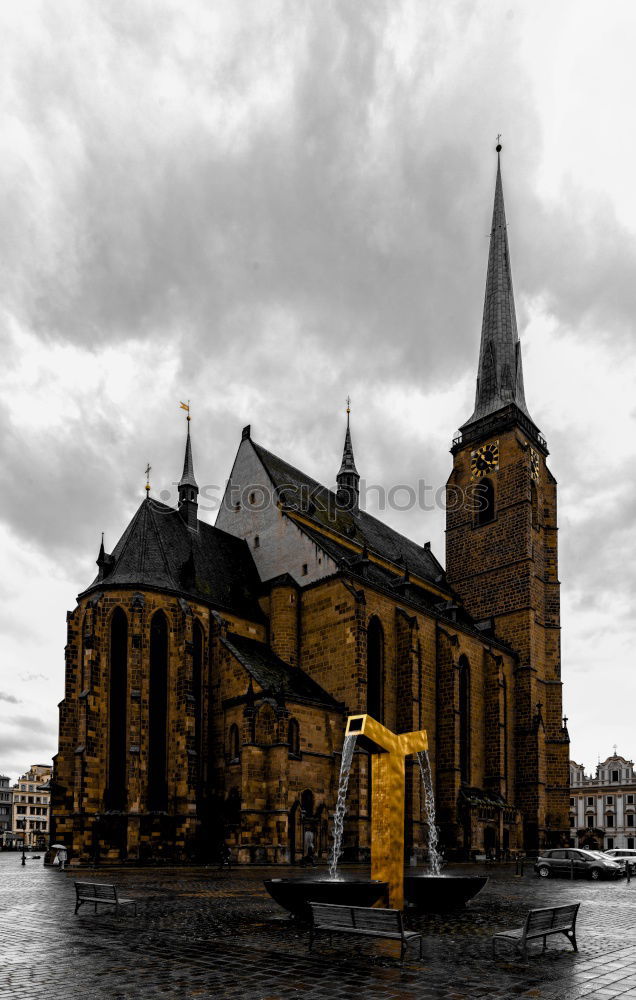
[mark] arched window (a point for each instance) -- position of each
(85, 680)
(375, 669)
(504, 694)
(307, 802)
(117, 715)
(534, 504)
(158, 721)
(233, 742)
(464, 720)
(484, 501)
(197, 689)
(293, 738)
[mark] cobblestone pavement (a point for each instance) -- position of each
(203, 933)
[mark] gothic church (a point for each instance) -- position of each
(210, 670)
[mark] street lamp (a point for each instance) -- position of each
(23, 839)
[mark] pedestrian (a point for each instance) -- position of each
(62, 856)
(225, 856)
(310, 851)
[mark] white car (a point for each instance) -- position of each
(623, 855)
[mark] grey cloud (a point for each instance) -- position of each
(9, 697)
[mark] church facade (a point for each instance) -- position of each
(210, 670)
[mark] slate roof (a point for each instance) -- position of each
(319, 504)
(500, 377)
(273, 674)
(158, 550)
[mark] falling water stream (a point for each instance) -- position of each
(341, 805)
(434, 857)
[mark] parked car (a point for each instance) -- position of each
(623, 856)
(587, 864)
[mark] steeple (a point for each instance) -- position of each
(500, 377)
(188, 488)
(348, 479)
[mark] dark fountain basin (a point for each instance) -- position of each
(294, 894)
(440, 893)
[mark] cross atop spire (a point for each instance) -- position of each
(348, 479)
(500, 377)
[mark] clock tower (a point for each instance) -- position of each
(501, 548)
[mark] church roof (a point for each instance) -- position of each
(500, 377)
(318, 504)
(273, 675)
(157, 550)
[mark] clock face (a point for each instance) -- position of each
(534, 464)
(484, 460)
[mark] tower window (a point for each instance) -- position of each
(484, 502)
(534, 505)
(304, 569)
(257, 542)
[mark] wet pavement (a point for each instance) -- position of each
(204, 933)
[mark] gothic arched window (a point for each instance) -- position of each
(117, 715)
(504, 692)
(375, 669)
(307, 802)
(484, 502)
(464, 720)
(534, 505)
(198, 644)
(158, 720)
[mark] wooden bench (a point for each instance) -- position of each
(362, 920)
(100, 892)
(540, 924)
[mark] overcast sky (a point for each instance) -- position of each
(263, 206)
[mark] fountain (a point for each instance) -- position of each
(388, 751)
(434, 892)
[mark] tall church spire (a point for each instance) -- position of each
(500, 377)
(188, 488)
(348, 479)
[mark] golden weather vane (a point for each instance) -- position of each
(147, 472)
(186, 407)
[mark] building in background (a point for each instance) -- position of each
(603, 808)
(6, 797)
(32, 805)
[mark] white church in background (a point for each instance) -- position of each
(603, 808)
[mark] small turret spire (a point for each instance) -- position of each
(188, 488)
(500, 377)
(348, 479)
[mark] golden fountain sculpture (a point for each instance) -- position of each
(388, 752)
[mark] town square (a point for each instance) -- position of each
(317, 424)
